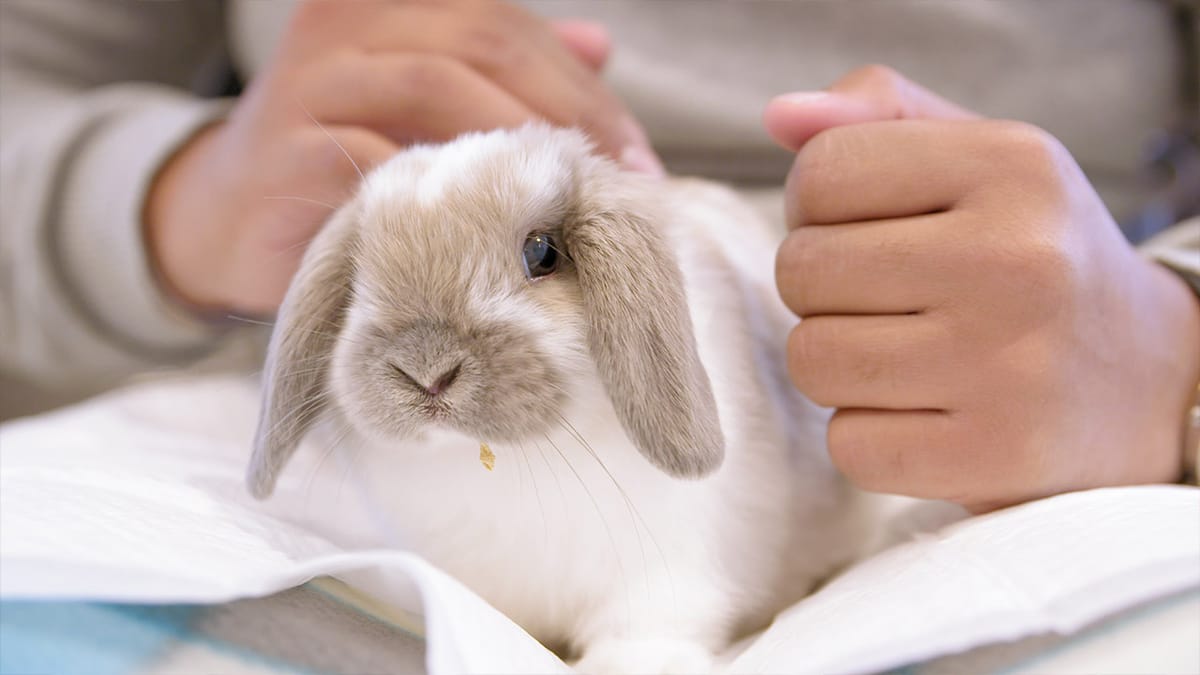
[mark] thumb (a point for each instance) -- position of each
(589, 41)
(868, 94)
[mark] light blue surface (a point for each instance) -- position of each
(77, 638)
(87, 639)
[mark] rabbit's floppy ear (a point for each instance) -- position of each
(306, 328)
(640, 333)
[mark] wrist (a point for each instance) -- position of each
(174, 232)
(1191, 441)
(1179, 307)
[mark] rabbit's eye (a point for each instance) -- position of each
(540, 255)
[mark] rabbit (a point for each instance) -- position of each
(615, 343)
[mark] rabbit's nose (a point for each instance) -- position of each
(444, 381)
(439, 385)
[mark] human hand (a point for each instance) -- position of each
(229, 217)
(983, 328)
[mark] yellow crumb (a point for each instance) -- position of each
(486, 457)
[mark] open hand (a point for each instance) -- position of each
(352, 82)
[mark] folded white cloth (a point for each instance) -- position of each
(137, 497)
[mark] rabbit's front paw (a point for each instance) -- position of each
(645, 656)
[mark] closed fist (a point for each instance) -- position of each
(970, 308)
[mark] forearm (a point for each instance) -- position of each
(79, 305)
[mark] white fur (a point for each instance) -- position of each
(634, 569)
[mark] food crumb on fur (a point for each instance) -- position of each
(486, 457)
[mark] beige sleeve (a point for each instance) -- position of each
(93, 100)
(1179, 249)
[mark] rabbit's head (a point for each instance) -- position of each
(472, 285)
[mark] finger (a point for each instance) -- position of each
(896, 96)
(886, 170)
(892, 363)
(345, 154)
(918, 453)
(589, 41)
(868, 94)
(519, 53)
(875, 267)
(792, 119)
(407, 97)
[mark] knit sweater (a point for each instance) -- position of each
(95, 95)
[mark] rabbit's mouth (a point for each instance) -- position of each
(435, 412)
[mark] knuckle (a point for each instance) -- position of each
(886, 85)
(878, 74)
(321, 156)
(850, 452)
(492, 50)
(825, 167)
(809, 364)
(363, 148)
(422, 77)
(1047, 260)
(422, 85)
(314, 79)
(792, 262)
(1040, 267)
(819, 152)
(800, 358)
(1025, 145)
(810, 173)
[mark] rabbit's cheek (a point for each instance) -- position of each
(515, 389)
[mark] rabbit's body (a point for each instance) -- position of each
(550, 539)
(574, 534)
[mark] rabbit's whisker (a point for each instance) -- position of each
(554, 474)
(304, 371)
(635, 514)
(537, 493)
(341, 335)
(335, 141)
(318, 202)
(354, 454)
(336, 336)
(303, 243)
(560, 252)
(307, 409)
(244, 319)
(574, 434)
(607, 530)
(342, 434)
(520, 485)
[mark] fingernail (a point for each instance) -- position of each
(594, 30)
(804, 97)
(638, 158)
